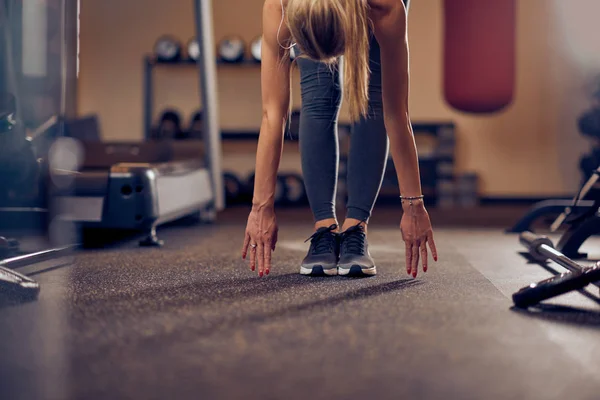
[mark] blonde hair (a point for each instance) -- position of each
(327, 29)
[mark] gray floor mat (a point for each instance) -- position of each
(191, 321)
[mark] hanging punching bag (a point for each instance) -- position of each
(479, 54)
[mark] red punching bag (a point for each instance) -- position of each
(479, 54)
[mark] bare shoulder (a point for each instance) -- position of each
(272, 23)
(388, 16)
(272, 5)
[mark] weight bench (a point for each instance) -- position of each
(584, 204)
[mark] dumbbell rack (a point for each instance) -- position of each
(151, 63)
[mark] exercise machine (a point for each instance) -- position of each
(143, 185)
(137, 186)
(577, 277)
(581, 216)
(28, 129)
(585, 202)
(23, 192)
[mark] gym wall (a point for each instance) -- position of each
(529, 149)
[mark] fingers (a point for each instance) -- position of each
(252, 257)
(408, 257)
(259, 253)
(415, 259)
(431, 243)
(267, 257)
(261, 259)
(424, 255)
(245, 245)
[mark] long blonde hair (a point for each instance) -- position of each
(327, 29)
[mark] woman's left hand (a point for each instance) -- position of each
(417, 233)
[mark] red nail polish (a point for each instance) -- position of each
(260, 274)
(267, 272)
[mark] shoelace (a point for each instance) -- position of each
(323, 240)
(353, 240)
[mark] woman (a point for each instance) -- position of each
(372, 37)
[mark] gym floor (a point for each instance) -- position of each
(190, 320)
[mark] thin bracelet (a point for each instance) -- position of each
(411, 198)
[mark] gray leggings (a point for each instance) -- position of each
(321, 100)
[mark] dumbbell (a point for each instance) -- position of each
(295, 193)
(232, 49)
(233, 188)
(541, 249)
(196, 125)
(169, 125)
(193, 49)
(256, 49)
(167, 49)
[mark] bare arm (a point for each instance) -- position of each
(390, 29)
(391, 32)
(261, 230)
(275, 78)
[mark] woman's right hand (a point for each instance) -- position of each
(260, 238)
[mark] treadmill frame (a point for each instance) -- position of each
(139, 196)
(207, 69)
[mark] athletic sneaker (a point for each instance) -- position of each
(323, 253)
(355, 259)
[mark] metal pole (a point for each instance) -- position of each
(207, 68)
(40, 256)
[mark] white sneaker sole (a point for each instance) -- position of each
(318, 271)
(357, 270)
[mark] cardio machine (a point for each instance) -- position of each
(143, 185)
(83, 194)
(137, 186)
